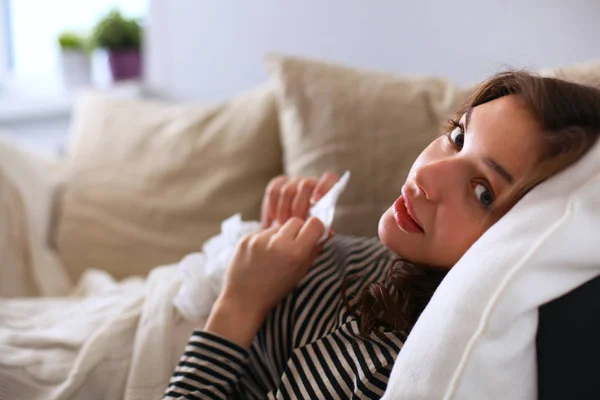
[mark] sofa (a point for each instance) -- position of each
(146, 182)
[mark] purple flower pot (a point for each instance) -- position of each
(125, 64)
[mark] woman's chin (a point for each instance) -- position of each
(390, 233)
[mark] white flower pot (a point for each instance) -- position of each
(76, 68)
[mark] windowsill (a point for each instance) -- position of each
(21, 102)
(16, 107)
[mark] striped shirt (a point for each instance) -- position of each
(309, 346)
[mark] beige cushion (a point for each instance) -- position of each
(149, 182)
(335, 118)
(587, 73)
(16, 280)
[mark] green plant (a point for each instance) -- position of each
(115, 32)
(73, 41)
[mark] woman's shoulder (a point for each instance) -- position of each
(349, 250)
(363, 258)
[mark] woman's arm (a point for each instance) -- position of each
(265, 268)
(234, 322)
(284, 198)
(209, 369)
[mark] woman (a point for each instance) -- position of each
(284, 329)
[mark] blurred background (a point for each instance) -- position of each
(206, 51)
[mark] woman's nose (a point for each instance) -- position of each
(435, 178)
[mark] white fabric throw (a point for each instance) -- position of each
(109, 340)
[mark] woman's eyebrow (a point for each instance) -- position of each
(499, 169)
(489, 162)
(468, 117)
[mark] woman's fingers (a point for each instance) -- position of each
(301, 202)
(328, 179)
(291, 228)
(286, 196)
(271, 200)
(310, 233)
(329, 236)
(267, 233)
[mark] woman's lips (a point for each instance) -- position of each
(402, 215)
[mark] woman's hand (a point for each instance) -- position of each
(265, 268)
(287, 197)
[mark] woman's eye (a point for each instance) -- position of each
(484, 196)
(457, 136)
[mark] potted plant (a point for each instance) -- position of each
(122, 38)
(75, 57)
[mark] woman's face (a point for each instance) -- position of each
(446, 201)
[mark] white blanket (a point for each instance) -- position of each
(107, 340)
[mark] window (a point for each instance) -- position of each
(5, 41)
(36, 25)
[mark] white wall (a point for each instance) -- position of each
(209, 50)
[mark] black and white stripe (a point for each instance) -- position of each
(309, 347)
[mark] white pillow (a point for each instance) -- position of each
(476, 338)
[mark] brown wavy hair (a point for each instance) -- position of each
(569, 115)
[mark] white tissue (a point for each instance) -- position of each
(203, 273)
(324, 209)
